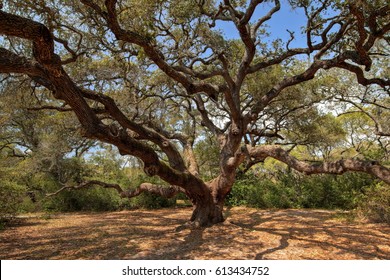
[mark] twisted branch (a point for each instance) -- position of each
(163, 191)
(337, 167)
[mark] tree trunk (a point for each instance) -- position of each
(208, 208)
(207, 213)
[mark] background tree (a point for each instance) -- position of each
(155, 78)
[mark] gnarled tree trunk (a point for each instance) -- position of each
(208, 208)
(206, 212)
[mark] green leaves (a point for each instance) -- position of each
(309, 128)
(11, 197)
(139, 16)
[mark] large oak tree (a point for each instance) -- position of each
(154, 78)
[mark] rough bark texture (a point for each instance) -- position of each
(337, 167)
(208, 209)
(206, 213)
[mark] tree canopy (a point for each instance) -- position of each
(162, 82)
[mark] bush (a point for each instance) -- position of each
(94, 199)
(257, 192)
(294, 190)
(151, 201)
(375, 203)
(11, 197)
(324, 191)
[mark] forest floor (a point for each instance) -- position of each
(157, 234)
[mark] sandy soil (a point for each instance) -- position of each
(159, 234)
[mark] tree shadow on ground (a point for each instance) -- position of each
(151, 234)
(318, 236)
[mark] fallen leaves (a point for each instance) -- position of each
(150, 234)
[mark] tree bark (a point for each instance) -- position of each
(337, 167)
(206, 213)
(208, 208)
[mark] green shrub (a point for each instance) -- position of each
(324, 191)
(11, 197)
(257, 192)
(289, 189)
(93, 199)
(375, 203)
(151, 201)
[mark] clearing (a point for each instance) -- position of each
(157, 234)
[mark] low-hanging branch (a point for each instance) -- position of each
(163, 191)
(337, 167)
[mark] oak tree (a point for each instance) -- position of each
(157, 77)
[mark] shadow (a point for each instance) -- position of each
(180, 250)
(311, 230)
(159, 234)
(98, 236)
(23, 223)
(283, 244)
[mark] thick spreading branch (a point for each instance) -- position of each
(143, 133)
(43, 43)
(43, 51)
(65, 89)
(336, 167)
(11, 62)
(163, 191)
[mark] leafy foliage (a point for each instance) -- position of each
(292, 190)
(11, 198)
(375, 203)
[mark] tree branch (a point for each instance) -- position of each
(41, 37)
(48, 107)
(361, 78)
(163, 191)
(337, 167)
(166, 192)
(268, 16)
(151, 51)
(164, 143)
(65, 89)
(13, 63)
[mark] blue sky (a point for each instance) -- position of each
(285, 18)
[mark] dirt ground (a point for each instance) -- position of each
(159, 234)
